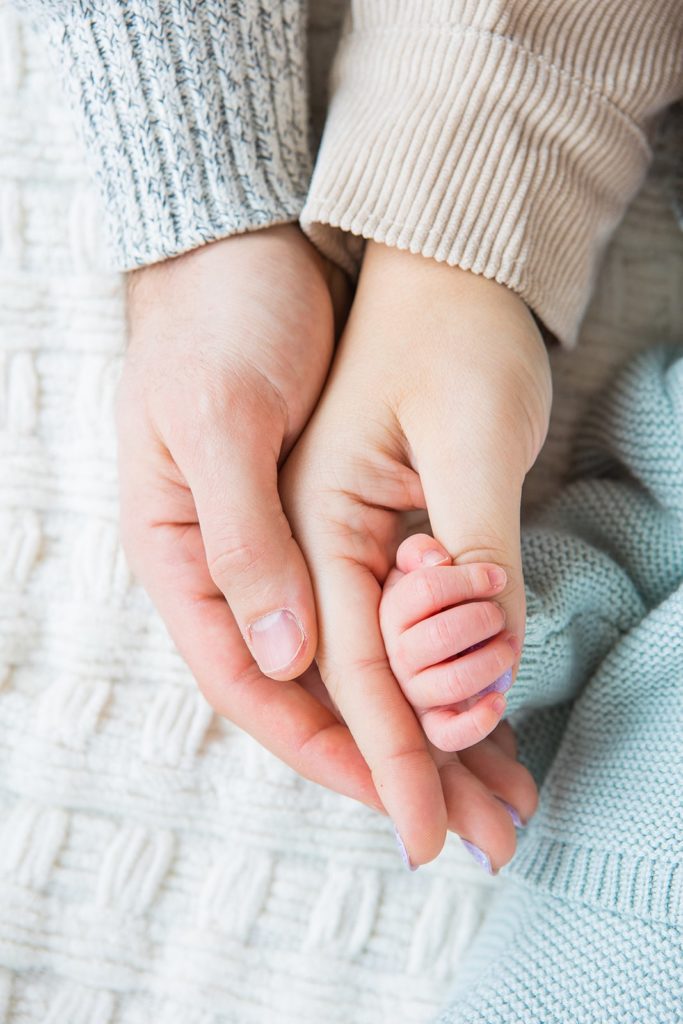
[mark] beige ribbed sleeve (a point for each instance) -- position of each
(502, 136)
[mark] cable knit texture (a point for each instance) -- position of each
(504, 138)
(156, 865)
(593, 928)
(195, 115)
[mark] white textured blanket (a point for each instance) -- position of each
(156, 865)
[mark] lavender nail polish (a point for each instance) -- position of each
(402, 850)
(479, 855)
(500, 685)
(514, 814)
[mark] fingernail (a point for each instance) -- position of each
(402, 850)
(497, 577)
(275, 639)
(500, 685)
(516, 820)
(433, 557)
(479, 855)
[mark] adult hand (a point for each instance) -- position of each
(439, 398)
(229, 347)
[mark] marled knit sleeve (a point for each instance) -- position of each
(506, 138)
(194, 114)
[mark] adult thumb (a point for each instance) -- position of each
(253, 558)
(473, 501)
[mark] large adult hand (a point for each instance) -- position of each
(229, 348)
(439, 398)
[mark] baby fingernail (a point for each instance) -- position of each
(433, 557)
(500, 685)
(275, 639)
(497, 577)
(479, 855)
(402, 850)
(514, 814)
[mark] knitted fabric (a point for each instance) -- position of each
(592, 929)
(506, 139)
(195, 114)
(540, 959)
(156, 865)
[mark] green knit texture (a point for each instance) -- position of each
(589, 929)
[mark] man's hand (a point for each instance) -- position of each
(229, 348)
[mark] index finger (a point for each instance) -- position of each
(354, 667)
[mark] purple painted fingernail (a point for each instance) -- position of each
(479, 855)
(402, 850)
(500, 685)
(512, 811)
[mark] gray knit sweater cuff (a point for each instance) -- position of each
(194, 114)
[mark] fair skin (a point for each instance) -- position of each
(431, 616)
(229, 350)
(431, 613)
(438, 398)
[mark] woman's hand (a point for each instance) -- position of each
(439, 398)
(434, 611)
(229, 348)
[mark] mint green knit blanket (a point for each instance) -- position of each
(588, 927)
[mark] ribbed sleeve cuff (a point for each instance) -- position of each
(194, 115)
(464, 146)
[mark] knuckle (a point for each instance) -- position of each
(399, 653)
(466, 584)
(473, 581)
(410, 760)
(439, 632)
(490, 616)
(487, 547)
(458, 681)
(235, 560)
(368, 668)
(339, 678)
(428, 588)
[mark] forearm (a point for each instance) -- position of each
(194, 115)
(506, 139)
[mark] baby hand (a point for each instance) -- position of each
(446, 642)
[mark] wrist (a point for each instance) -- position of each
(411, 278)
(457, 337)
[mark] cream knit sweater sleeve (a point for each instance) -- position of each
(194, 113)
(505, 137)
